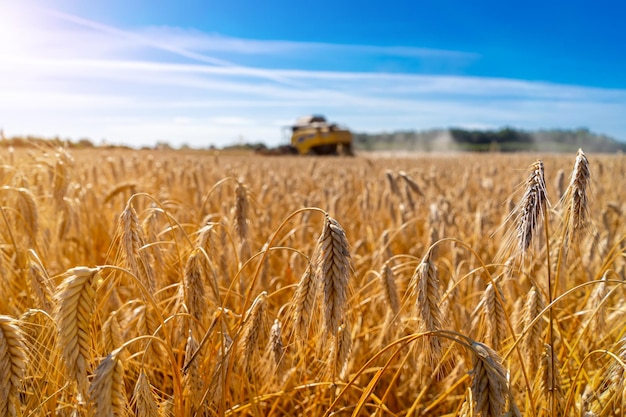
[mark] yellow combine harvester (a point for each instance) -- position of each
(313, 135)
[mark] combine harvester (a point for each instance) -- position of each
(313, 135)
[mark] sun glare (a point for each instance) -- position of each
(20, 25)
(11, 28)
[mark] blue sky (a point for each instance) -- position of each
(207, 72)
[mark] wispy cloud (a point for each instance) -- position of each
(190, 39)
(75, 77)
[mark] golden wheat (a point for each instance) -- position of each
(376, 326)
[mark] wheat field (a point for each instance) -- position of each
(194, 283)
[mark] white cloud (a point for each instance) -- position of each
(72, 77)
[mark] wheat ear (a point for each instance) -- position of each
(274, 367)
(193, 286)
(275, 345)
(304, 302)
(489, 384)
(411, 183)
(495, 317)
(393, 186)
(596, 320)
(532, 208)
(390, 291)
(425, 281)
(532, 342)
(40, 285)
(252, 326)
(12, 364)
(549, 382)
(132, 242)
(559, 182)
(241, 211)
(192, 392)
(334, 269)
(107, 392)
(28, 210)
(576, 197)
(143, 398)
(339, 353)
(111, 333)
(75, 303)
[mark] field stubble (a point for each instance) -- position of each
(170, 283)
